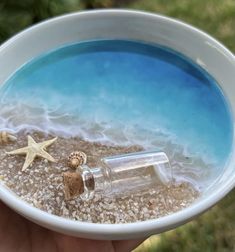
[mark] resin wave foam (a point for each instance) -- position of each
(187, 166)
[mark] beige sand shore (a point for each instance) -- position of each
(41, 184)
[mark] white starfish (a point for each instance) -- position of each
(34, 150)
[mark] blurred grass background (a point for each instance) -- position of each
(215, 230)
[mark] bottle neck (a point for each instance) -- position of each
(95, 180)
(88, 182)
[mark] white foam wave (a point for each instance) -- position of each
(186, 166)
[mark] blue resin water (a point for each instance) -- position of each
(124, 93)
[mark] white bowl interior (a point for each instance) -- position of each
(130, 25)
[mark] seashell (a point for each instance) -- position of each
(6, 137)
(76, 159)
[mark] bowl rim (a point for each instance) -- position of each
(160, 224)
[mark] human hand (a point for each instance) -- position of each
(17, 234)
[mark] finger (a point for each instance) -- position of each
(127, 246)
(69, 243)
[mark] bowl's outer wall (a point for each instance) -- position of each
(131, 25)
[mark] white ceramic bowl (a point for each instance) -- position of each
(123, 24)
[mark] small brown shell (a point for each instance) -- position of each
(5, 137)
(76, 159)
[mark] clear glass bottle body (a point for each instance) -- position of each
(126, 174)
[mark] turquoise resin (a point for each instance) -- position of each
(121, 92)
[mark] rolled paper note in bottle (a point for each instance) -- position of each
(121, 175)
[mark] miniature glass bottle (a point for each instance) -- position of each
(124, 174)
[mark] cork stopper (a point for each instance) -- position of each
(73, 184)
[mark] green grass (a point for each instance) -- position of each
(215, 230)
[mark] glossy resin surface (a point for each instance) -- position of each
(125, 93)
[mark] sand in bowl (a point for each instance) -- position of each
(41, 184)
